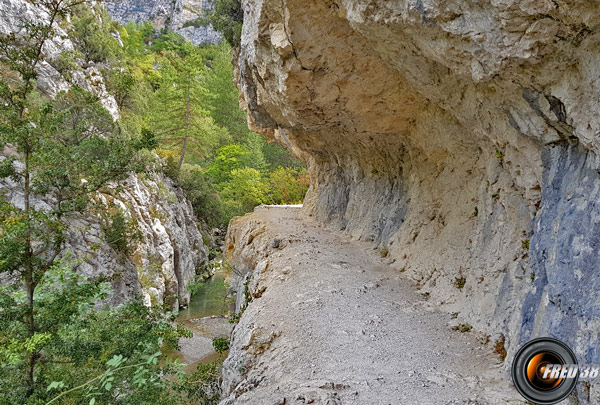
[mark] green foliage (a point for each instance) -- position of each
(463, 328)
(203, 194)
(77, 345)
(244, 191)
(220, 344)
(186, 99)
(288, 186)
(227, 159)
(120, 231)
(202, 386)
(66, 149)
(460, 282)
(90, 31)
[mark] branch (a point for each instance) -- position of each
(92, 380)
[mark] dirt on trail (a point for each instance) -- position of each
(332, 323)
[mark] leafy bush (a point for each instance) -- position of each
(120, 231)
(288, 186)
(220, 344)
(203, 385)
(227, 159)
(91, 34)
(244, 191)
(76, 343)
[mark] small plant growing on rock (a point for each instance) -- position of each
(525, 244)
(463, 328)
(499, 348)
(460, 282)
(499, 156)
(220, 344)
(120, 231)
(384, 252)
(532, 277)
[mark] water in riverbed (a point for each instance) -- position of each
(207, 318)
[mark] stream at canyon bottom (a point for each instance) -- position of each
(206, 317)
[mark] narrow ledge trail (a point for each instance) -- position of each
(332, 323)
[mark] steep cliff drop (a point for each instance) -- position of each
(459, 137)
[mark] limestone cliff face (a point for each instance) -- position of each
(167, 13)
(462, 137)
(50, 81)
(160, 262)
(163, 261)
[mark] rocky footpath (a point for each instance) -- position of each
(328, 321)
(167, 14)
(460, 138)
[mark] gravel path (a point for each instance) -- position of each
(336, 325)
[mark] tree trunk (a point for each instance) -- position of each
(188, 116)
(29, 276)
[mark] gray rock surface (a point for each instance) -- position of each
(167, 13)
(460, 138)
(13, 13)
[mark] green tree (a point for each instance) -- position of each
(203, 194)
(63, 150)
(244, 191)
(181, 116)
(90, 32)
(229, 158)
(288, 186)
(227, 18)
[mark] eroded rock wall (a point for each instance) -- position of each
(167, 14)
(460, 137)
(162, 257)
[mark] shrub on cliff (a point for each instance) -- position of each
(227, 18)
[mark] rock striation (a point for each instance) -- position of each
(460, 138)
(167, 14)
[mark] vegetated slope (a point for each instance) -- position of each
(141, 233)
(459, 136)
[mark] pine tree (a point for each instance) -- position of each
(180, 117)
